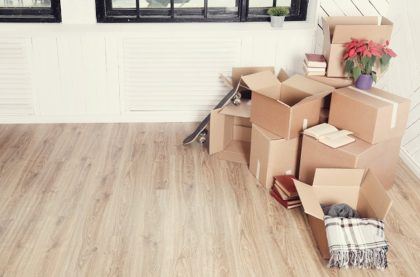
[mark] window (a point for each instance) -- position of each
(194, 10)
(30, 11)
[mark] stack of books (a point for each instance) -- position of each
(284, 191)
(314, 65)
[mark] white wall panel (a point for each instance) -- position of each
(16, 89)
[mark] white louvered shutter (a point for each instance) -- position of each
(16, 96)
(164, 74)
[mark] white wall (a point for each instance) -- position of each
(80, 71)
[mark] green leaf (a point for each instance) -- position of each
(348, 67)
(374, 77)
(356, 73)
(384, 61)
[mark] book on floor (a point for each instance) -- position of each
(315, 60)
(288, 204)
(329, 135)
(285, 183)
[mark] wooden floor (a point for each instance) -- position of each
(130, 200)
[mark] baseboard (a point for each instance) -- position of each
(149, 116)
(410, 162)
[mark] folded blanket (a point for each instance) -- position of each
(358, 242)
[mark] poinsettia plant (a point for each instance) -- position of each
(360, 57)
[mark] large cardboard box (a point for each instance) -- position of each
(230, 133)
(359, 189)
(272, 155)
(381, 158)
(373, 115)
(285, 108)
(333, 82)
(341, 29)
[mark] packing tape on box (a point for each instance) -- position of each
(393, 103)
(257, 171)
(305, 124)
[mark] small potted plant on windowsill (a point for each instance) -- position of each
(277, 15)
(360, 58)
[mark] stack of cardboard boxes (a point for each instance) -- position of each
(267, 135)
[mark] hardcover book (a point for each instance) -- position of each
(315, 60)
(330, 135)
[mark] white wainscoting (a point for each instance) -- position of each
(126, 72)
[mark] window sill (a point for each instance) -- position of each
(24, 28)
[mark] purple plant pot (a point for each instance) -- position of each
(364, 81)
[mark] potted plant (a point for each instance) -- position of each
(360, 58)
(277, 15)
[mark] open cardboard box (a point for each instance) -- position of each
(373, 115)
(230, 133)
(272, 155)
(339, 30)
(359, 188)
(287, 107)
(235, 80)
(380, 158)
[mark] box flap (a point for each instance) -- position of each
(344, 28)
(264, 83)
(217, 131)
(242, 110)
(308, 85)
(332, 21)
(282, 76)
(309, 199)
(373, 199)
(238, 72)
(338, 177)
(307, 89)
(268, 135)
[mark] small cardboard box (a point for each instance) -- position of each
(272, 155)
(373, 115)
(339, 30)
(230, 133)
(285, 108)
(363, 192)
(381, 158)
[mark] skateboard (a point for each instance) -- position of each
(201, 132)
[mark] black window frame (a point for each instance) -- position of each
(28, 14)
(106, 14)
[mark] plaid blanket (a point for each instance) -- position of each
(358, 242)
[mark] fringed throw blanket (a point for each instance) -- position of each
(358, 242)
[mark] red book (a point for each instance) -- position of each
(288, 204)
(286, 184)
(315, 60)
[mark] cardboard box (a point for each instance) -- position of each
(333, 82)
(230, 133)
(272, 155)
(341, 29)
(285, 108)
(373, 115)
(381, 158)
(358, 188)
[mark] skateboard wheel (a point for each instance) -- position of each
(236, 101)
(202, 138)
